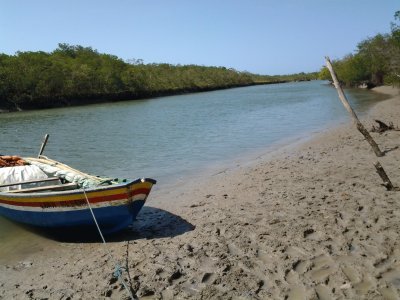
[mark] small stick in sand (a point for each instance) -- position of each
(346, 104)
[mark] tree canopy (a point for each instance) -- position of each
(73, 74)
(375, 62)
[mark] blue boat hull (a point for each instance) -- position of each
(110, 219)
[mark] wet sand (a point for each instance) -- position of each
(307, 222)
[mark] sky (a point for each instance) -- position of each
(264, 37)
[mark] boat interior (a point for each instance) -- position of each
(35, 175)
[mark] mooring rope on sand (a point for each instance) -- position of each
(118, 269)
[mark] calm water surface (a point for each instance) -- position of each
(171, 137)
(175, 137)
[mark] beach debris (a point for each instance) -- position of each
(346, 104)
(189, 248)
(383, 127)
(386, 181)
(308, 232)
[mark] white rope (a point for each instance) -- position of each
(118, 269)
(94, 218)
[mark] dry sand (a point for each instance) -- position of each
(311, 222)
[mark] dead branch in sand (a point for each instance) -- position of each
(383, 127)
(386, 181)
(346, 104)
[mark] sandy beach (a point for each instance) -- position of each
(307, 222)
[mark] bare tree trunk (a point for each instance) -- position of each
(346, 104)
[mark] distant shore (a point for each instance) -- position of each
(96, 99)
(77, 75)
(311, 221)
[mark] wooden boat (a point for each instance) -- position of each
(65, 197)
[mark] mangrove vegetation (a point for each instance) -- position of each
(74, 75)
(376, 61)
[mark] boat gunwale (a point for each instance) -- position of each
(78, 190)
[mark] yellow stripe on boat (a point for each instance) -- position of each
(78, 194)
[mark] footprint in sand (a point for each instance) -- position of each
(351, 274)
(389, 293)
(234, 250)
(392, 276)
(208, 278)
(301, 266)
(322, 267)
(297, 293)
(323, 292)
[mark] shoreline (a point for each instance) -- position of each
(89, 100)
(307, 221)
(272, 150)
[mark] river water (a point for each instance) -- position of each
(174, 138)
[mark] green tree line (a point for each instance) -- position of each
(285, 78)
(73, 74)
(375, 62)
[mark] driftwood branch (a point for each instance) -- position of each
(383, 127)
(381, 172)
(346, 104)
